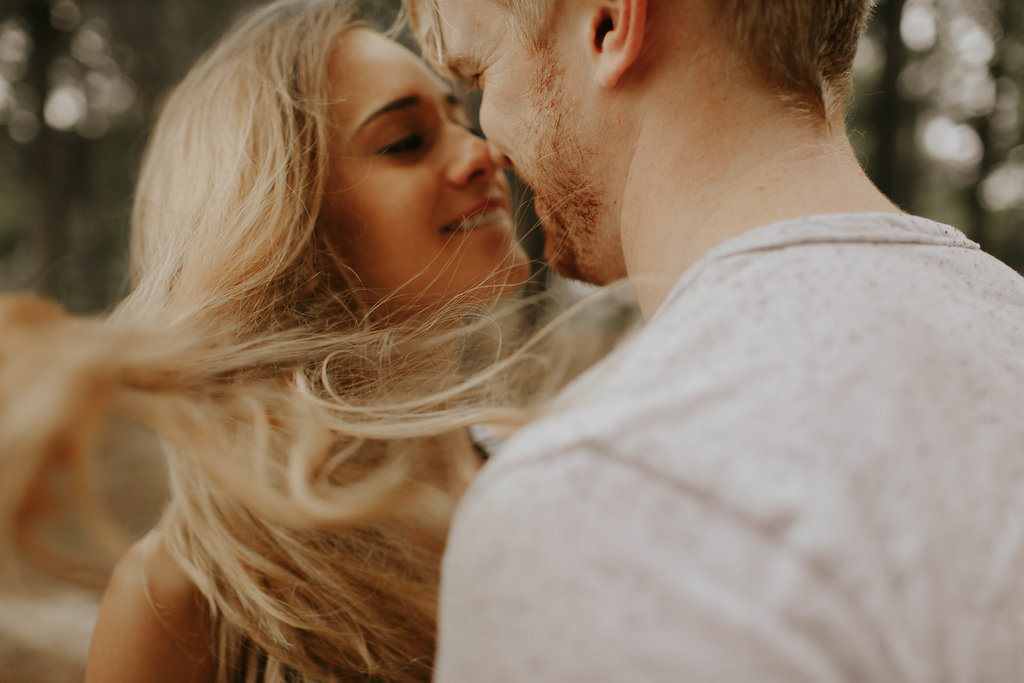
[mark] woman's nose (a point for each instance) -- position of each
(473, 157)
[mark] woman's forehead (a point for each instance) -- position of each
(369, 70)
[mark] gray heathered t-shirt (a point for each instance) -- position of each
(808, 466)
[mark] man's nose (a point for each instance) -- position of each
(486, 125)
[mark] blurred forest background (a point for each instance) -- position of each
(937, 123)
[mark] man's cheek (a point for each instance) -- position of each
(498, 116)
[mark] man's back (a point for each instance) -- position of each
(809, 466)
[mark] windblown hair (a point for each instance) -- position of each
(805, 48)
(308, 433)
(228, 201)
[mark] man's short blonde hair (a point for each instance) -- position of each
(804, 48)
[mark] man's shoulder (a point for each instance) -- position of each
(791, 332)
(792, 435)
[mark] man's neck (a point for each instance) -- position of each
(730, 173)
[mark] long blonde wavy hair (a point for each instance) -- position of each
(308, 434)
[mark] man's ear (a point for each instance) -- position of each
(616, 33)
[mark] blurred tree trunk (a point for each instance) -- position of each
(892, 167)
(977, 214)
(42, 157)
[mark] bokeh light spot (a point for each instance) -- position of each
(944, 140)
(919, 27)
(65, 15)
(65, 107)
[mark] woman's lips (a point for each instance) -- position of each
(475, 220)
(489, 211)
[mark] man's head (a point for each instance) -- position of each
(565, 83)
(510, 51)
(803, 47)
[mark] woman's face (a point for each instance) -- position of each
(421, 202)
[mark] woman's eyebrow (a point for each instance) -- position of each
(401, 103)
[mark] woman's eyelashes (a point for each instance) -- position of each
(408, 144)
(417, 142)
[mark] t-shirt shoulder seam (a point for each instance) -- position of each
(701, 268)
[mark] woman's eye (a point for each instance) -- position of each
(407, 145)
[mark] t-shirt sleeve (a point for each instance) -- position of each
(586, 569)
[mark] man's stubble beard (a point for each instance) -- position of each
(568, 198)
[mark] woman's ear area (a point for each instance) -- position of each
(616, 32)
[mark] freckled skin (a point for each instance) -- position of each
(568, 199)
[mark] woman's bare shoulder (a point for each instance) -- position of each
(149, 563)
(153, 623)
